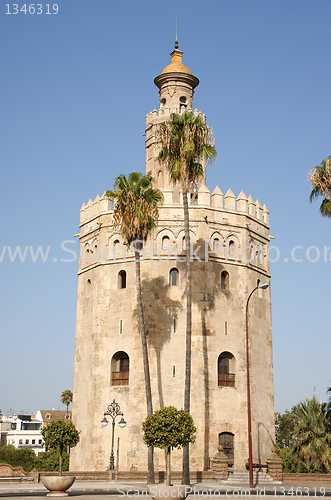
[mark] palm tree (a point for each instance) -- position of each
(136, 209)
(185, 140)
(328, 411)
(66, 399)
(320, 179)
(313, 438)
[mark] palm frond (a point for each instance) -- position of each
(325, 208)
(320, 179)
(209, 153)
(175, 169)
(314, 194)
(185, 139)
(136, 206)
(135, 178)
(189, 148)
(196, 171)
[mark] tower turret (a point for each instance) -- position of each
(176, 86)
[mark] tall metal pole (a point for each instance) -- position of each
(250, 451)
(112, 459)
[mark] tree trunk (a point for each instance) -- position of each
(60, 463)
(150, 474)
(187, 387)
(168, 466)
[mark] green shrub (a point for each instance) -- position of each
(18, 457)
(49, 461)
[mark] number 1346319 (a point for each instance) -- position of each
(32, 8)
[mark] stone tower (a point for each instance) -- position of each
(233, 236)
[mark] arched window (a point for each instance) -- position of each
(40, 441)
(120, 365)
(121, 279)
(182, 104)
(225, 280)
(86, 253)
(231, 250)
(165, 242)
(216, 245)
(226, 370)
(26, 441)
(226, 440)
(174, 277)
(163, 102)
(251, 252)
(20, 441)
(160, 180)
(33, 441)
(117, 249)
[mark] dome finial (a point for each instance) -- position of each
(176, 42)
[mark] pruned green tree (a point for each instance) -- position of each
(169, 429)
(136, 211)
(185, 141)
(320, 179)
(66, 399)
(312, 445)
(60, 435)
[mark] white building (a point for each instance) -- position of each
(22, 431)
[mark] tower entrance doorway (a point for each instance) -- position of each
(226, 439)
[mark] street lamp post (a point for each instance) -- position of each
(113, 410)
(250, 452)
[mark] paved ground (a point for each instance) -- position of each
(131, 491)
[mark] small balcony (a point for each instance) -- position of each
(226, 380)
(120, 378)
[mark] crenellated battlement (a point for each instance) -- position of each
(164, 112)
(225, 203)
(95, 208)
(231, 203)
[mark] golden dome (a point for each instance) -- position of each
(176, 65)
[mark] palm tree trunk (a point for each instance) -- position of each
(150, 473)
(187, 387)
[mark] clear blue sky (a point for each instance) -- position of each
(74, 92)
